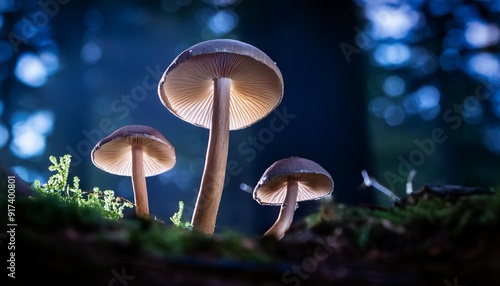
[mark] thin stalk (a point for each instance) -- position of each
(369, 181)
(287, 211)
(409, 182)
(139, 182)
(212, 182)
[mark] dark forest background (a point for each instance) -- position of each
(382, 86)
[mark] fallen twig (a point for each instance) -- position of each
(369, 181)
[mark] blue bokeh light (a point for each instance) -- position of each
(479, 34)
(27, 143)
(484, 65)
(7, 5)
(30, 70)
(91, 52)
(391, 22)
(394, 86)
(426, 100)
(492, 139)
(427, 97)
(24, 29)
(394, 115)
(29, 132)
(167, 178)
(378, 105)
(223, 22)
(28, 175)
(50, 61)
(42, 121)
(221, 3)
(392, 54)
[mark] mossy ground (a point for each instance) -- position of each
(427, 239)
(416, 225)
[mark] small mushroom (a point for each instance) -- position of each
(138, 151)
(287, 182)
(221, 85)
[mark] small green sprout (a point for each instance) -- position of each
(177, 218)
(57, 186)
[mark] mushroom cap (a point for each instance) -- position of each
(187, 90)
(313, 180)
(113, 153)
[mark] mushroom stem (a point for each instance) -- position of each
(212, 182)
(139, 182)
(285, 217)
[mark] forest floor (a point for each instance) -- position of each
(439, 235)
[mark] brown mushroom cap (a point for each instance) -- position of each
(314, 181)
(187, 88)
(113, 153)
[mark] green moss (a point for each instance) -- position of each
(457, 229)
(57, 187)
(415, 225)
(155, 237)
(176, 219)
(39, 215)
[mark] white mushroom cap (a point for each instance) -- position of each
(314, 181)
(187, 88)
(113, 153)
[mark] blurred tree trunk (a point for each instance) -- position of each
(314, 45)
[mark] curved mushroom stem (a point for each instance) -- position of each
(212, 182)
(139, 183)
(285, 217)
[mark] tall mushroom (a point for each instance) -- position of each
(221, 85)
(138, 151)
(287, 182)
